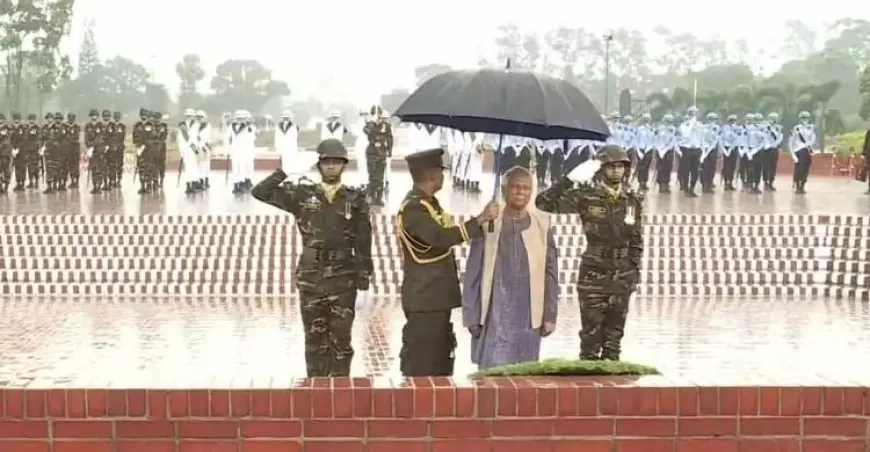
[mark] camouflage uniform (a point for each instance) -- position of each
(152, 137)
(54, 135)
(335, 262)
(6, 133)
(28, 146)
(379, 150)
(119, 137)
(73, 150)
(19, 163)
(95, 134)
(610, 266)
(138, 136)
(163, 130)
(430, 285)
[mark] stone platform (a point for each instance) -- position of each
(166, 323)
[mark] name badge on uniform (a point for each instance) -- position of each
(629, 215)
(597, 211)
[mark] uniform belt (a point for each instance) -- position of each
(327, 255)
(607, 252)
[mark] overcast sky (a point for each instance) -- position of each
(331, 37)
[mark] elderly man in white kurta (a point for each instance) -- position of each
(510, 298)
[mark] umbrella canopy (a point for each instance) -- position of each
(505, 102)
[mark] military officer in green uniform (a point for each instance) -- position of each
(430, 284)
(336, 258)
(610, 268)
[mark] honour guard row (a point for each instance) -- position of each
(748, 151)
(51, 151)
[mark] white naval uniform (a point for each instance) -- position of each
(287, 144)
(188, 140)
(204, 136)
(359, 150)
(240, 152)
(454, 150)
(332, 129)
(474, 166)
(425, 137)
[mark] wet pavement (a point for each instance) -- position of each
(257, 343)
(826, 196)
(793, 331)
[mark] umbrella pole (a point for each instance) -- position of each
(496, 186)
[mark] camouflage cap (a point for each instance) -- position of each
(48, 115)
(16, 116)
(58, 115)
(31, 117)
(332, 149)
(93, 112)
(107, 114)
(143, 112)
(613, 154)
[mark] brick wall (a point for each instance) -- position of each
(434, 415)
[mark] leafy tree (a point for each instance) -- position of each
(156, 98)
(191, 73)
(30, 35)
(244, 84)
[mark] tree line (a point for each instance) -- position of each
(826, 71)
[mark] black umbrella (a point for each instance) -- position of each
(505, 103)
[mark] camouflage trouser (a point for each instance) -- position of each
(328, 320)
(73, 155)
(97, 168)
(428, 344)
(5, 171)
(32, 161)
(19, 163)
(117, 171)
(54, 165)
(161, 162)
(377, 167)
(149, 166)
(604, 298)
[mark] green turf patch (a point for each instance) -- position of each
(567, 368)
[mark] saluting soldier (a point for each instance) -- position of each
(73, 150)
(336, 257)
(610, 269)
(5, 154)
(94, 131)
(152, 138)
(430, 283)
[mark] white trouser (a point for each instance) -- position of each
(238, 164)
(462, 158)
(362, 165)
(190, 165)
(474, 170)
(288, 155)
(204, 164)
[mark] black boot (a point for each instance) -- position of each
(237, 188)
(189, 188)
(49, 188)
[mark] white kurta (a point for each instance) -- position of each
(474, 168)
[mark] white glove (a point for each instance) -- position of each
(362, 299)
(140, 150)
(14, 152)
(585, 171)
(42, 150)
(90, 152)
(302, 163)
